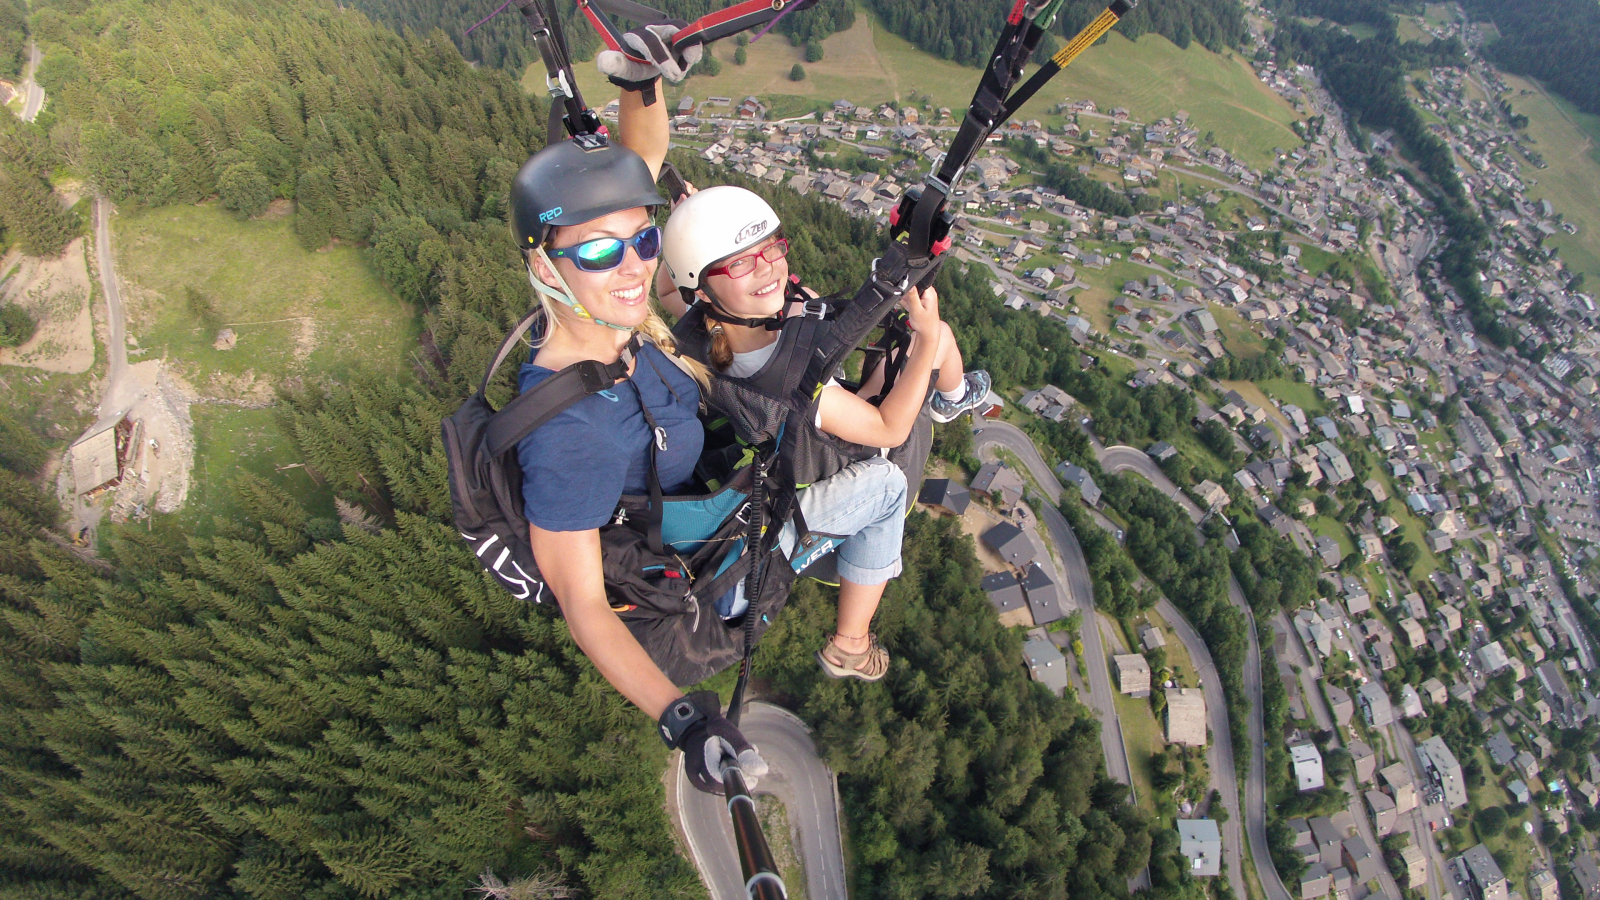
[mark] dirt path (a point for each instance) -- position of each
(156, 476)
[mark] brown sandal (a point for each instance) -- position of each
(870, 664)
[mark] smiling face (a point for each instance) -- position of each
(620, 296)
(757, 294)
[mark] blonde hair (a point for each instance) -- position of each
(652, 329)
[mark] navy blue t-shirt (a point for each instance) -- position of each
(579, 464)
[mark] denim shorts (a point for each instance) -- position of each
(860, 513)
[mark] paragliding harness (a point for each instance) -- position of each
(666, 560)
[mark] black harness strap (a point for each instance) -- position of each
(533, 408)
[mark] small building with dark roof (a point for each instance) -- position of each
(1078, 475)
(1046, 664)
(999, 482)
(1161, 451)
(1043, 594)
(1005, 592)
(946, 495)
(1010, 543)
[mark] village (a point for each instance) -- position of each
(1445, 487)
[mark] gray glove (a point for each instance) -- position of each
(652, 43)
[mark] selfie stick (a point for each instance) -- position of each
(761, 879)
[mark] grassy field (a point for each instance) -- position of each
(1409, 30)
(229, 440)
(1327, 526)
(295, 312)
(1237, 336)
(1141, 735)
(870, 65)
(1569, 141)
(1297, 393)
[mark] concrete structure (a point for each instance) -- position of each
(1186, 717)
(1133, 674)
(1375, 704)
(1046, 664)
(1488, 882)
(1443, 771)
(1200, 841)
(1307, 762)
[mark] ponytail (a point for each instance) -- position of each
(721, 351)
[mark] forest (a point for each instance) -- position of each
(1552, 41)
(959, 30)
(288, 706)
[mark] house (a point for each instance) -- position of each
(1397, 783)
(1151, 637)
(1433, 691)
(1410, 702)
(1005, 593)
(1328, 550)
(1046, 664)
(1492, 657)
(1542, 885)
(1133, 674)
(1000, 483)
(945, 495)
(1375, 704)
(1363, 760)
(1043, 595)
(1008, 541)
(1072, 474)
(1360, 859)
(1443, 771)
(1314, 882)
(1587, 874)
(1414, 864)
(1339, 703)
(1200, 841)
(1415, 635)
(1186, 717)
(1519, 791)
(1211, 494)
(1162, 451)
(1307, 762)
(1488, 882)
(99, 455)
(1449, 618)
(1383, 655)
(1384, 817)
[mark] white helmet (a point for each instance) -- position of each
(711, 225)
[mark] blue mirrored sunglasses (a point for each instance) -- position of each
(605, 254)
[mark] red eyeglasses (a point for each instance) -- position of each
(740, 266)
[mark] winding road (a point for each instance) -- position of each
(1080, 589)
(33, 94)
(798, 778)
(1119, 458)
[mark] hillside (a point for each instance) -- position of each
(869, 64)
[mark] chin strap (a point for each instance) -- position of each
(564, 296)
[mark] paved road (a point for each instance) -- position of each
(1079, 586)
(798, 778)
(1122, 458)
(1219, 753)
(33, 94)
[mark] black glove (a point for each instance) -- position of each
(695, 725)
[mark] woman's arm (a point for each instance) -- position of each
(644, 129)
(570, 564)
(847, 416)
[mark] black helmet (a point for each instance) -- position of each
(575, 181)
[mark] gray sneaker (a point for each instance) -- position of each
(977, 388)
